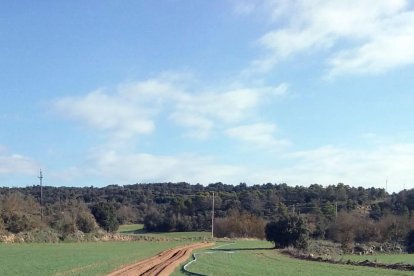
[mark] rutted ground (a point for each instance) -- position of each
(162, 264)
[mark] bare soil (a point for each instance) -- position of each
(162, 264)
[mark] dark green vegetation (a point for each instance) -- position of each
(257, 258)
(409, 241)
(289, 230)
(105, 216)
(338, 212)
(93, 258)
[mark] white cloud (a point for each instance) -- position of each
(325, 165)
(108, 112)
(16, 163)
(391, 49)
(142, 167)
(364, 36)
(260, 135)
(199, 126)
(132, 109)
(330, 165)
(202, 112)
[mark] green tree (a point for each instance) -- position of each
(409, 241)
(105, 216)
(290, 230)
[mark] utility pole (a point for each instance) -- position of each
(336, 210)
(386, 185)
(41, 195)
(212, 219)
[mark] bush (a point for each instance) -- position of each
(85, 222)
(17, 223)
(39, 235)
(290, 230)
(239, 225)
(409, 242)
(105, 216)
(65, 224)
(2, 226)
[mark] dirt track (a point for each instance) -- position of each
(162, 264)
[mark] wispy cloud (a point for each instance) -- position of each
(115, 113)
(143, 167)
(331, 164)
(16, 163)
(260, 135)
(133, 108)
(136, 108)
(362, 36)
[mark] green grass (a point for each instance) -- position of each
(131, 228)
(257, 258)
(93, 258)
(180, 235)
(383, 258)
(137, 229)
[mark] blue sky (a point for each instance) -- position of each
(294, 91)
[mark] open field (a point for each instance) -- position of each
(93, 258)
(137, 229)
(257, 258)
(383, 258)
(130, 228)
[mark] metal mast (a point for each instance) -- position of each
(212, 219)
(41, 194)
(386, 185)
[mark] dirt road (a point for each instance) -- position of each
(162, 264)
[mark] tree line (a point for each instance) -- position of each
(240, 210)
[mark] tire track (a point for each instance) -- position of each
(162, 264)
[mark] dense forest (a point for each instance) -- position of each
(338, 212)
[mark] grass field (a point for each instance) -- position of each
(383, 258)
(257, 258)
(94, 258)
(137, 229)
(131, 228)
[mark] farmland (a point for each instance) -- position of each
(137, 229)
(243, 257)
(257, 258)
(93, 258)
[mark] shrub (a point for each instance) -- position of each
(17, 223)
(2, 227)
(105, 216)
(290, 230)
(409, 242)
(39, 235)
(85, 222)
(239, 225)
